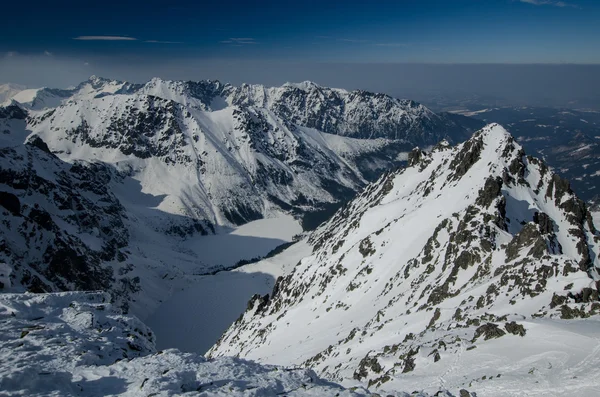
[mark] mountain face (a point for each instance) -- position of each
(46, 98)
(234, 154)
(109, 185)
(77, 344)
(473, 268)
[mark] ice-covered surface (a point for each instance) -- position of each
(252, 240)
(194, 318)
(476, 267)
(76, 344)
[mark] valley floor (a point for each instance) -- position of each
(194, 318)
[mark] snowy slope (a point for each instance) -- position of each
(228, 155)
(128, 185)
(7, 91)
(77, 344)
(474, 268)
(86, 226)
(227, 167)
(139, 190)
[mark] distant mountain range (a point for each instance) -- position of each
(104, 183)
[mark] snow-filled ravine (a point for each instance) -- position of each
(194, 317)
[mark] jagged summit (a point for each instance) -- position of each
(304, 85)
(433, 272)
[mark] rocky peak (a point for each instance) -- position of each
(462, 247)
(13, 110)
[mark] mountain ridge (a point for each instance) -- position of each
(170, 164)
(470, 249)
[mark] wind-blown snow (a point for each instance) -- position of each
(76, 344)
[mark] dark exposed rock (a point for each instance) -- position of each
(528, 236)
(37, 142)
(586, 295)
(569, 313)
(409, 365)
(435, 317)
(366, 247)
(515, 329)
(470, 153)
(545, 223)
(42, 218)
(489, 331)
(415, 156)
(557, 300)
(11, 203)
(366, 364)
(13, 111)
(436, 355)
(491, 190)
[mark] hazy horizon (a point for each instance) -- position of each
(538, 52)
(561, 85)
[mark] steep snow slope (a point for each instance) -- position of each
(227, 167)
(194, 318)
(476, 267)
(77, 344)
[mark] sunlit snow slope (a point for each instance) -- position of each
(476, 267)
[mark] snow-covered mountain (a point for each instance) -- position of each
(229, 154)
(7, 91)
(46, 98)
(77, 344)
(118, 183)
(474, 268)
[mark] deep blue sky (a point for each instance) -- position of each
(437, 31)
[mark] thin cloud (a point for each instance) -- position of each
(549, 3)
(105, 38)
(48, 53)
(239, 41)
(353, 40)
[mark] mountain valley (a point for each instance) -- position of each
(449, 261)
